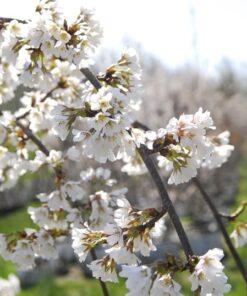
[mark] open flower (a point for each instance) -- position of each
(240, 235)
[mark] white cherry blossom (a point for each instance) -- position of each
(9, 286)
(240, 235)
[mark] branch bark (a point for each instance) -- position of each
(32, 137)
(166, 201)
(221, 226)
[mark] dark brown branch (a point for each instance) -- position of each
(32, 137)
(166, 201)
(102, 284)
(140, 125)
(91, 77)
(221, 225)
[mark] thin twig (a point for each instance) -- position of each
(91, 77)
(236, 214)
(166, 201)
(9, 19)
(32, 137)
(221, 225)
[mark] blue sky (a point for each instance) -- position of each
(167, 28)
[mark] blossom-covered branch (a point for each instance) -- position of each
(52, 56)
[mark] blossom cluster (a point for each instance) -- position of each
(48, 54)
(9, 286)
(150, 283)
(100, 119)
(105, 115)
(34, 46)
(122, 230)
(58, 213)
(240, 235)
(209, 275)
(184, 146)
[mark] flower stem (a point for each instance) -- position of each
(221, 226)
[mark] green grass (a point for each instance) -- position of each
(79, 285)
(16, 221)
(71, 287)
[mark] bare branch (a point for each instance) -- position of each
(221, 225)
(166, 201)
(32, 137)
(91, 77)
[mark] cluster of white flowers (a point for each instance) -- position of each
(15, 149)
(149, 282)
(118, 227)
(104, 115)
(209, 275)
(34, 46)
(18, 155)
(97, 216)
(49, 54)
(240, 235)
(185, 146)
(8, 82)
(23, 247)
(9, 286)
